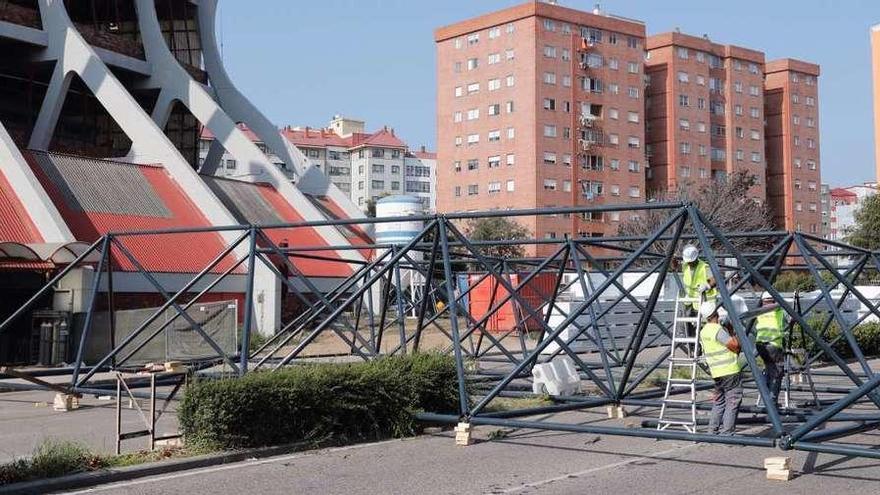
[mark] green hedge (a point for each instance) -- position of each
(867, 336)
(341, 403)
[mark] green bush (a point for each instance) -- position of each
(791, 281)
(867, 335)
(319, 402)
(50, 459)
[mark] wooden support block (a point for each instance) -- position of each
(612, 413)
(173, 366)
(65, 402)
(169, 443)
(779, 474)
(620, 411)
(777, 463)
(463, 436)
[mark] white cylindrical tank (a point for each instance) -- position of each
(400, 232)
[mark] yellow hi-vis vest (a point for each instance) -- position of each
(694, 278)
(722, 362)
(769, 327)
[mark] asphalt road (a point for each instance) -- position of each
(523, 461)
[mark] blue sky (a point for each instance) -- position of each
(301, 62)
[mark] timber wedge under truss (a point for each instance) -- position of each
(594, 284)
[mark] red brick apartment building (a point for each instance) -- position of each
(705, 112)
(539, 106)
(793, 179)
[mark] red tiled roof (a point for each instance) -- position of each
(207, 134)
(839, 192)
(316, 138)
(15, 222)
(424, 155)
(262, 203)
(173, 253)
(382, 138)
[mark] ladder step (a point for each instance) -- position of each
(678, 401)
(685, 340)
(687, 319)
(687, 360)
(674, 422)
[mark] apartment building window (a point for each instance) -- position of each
(566, 133)
(612, 38)
(811, 122)
(377, 153)
(473, 63)
(811, 165)
(701, 103)
(549, 51)
(613, 140)
(613, 114)
(797, 140)
(634, 192)
(798, 206)
(494, 161)
(473, 139)
(633, 142)
(684, 148)
(718, 155)
(716, 108)
(797, 184)
(395, 185)
(549, 184)
(682, 53)
(715, 62)
(740, 132)
(755, 134)
(511, 133)
(473, 39)
(740, 155)
(549, 78)
(549, 25)
(797, 163)
(632, 42)
(811, 185)
(738, 86)
(511, 185)
(494, 136)
(683, 77)
(509, 106)
(494, 187)
(701, 80)
(633, 92)
(473, 114)
(632, 117)
(755, 112)
(457, 191)
(360, 185)
(613, 63)
(702, 150)
(632, 67)
(810, 80)
(395, 169)
(738, 109)
(813, 208)
(684, 124)
(457, 67)
(509, 54)
(566, 81)
(701, 127)
(754, 91)
(511, 159)
(378, 169)
(566, 159)
(473, 189)
(549, 104)
(494, 58)
(613, 88)
(458, 91)
(473, 88)
(378, 184)
(456, 165)
(737, 65)
(795, 98)
(458, 141)
(494, 32)
(591, 84)
(566, 54)
(314, 153)
(231, 164)
(719, 130)
(595, 61)
(566, 107)
(684, 171)
(634, 166)
(614, 190)
(811, 143)
(494, 109)
(595, 162)
(458, 43)
(549, 158)
(494, 84)
(756, 157)
(753, 68)
(715, 85)
(549, 131)
(810, 101)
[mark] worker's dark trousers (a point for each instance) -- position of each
(725, 407)
(774, 366)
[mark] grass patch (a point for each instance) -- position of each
(516, 403)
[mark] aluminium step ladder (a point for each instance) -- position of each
(684, 354)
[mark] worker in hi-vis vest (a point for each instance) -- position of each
(769, 328)
(696, 276)
(721, 350)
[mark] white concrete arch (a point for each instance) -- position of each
(310, 179)
(176, 84)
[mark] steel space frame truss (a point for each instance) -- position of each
(366, 313)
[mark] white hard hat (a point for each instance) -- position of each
(708, 308)
(765, 296)
(689, 254)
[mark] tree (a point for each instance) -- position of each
(726, 204)
(866, 231)
(497, 229)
